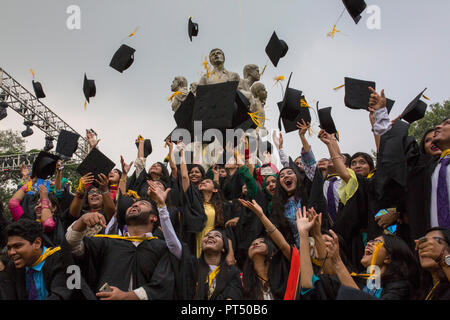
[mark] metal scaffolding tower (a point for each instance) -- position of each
(32, 109)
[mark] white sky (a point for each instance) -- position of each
(409, 53)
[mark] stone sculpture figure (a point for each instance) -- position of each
(180, 91)
(219, 73)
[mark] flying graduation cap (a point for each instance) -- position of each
(355, 8)
(357, 93)
(326, 120)
(415, 110)
(89, 88)
(38, 91)
(291, 109)
(147, 145)
(276, 49)
(44, 165)
(67, 143)
(123, 58)
(192, 28)
(95, 162)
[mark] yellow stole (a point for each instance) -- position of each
(47, 253)
(132, 239)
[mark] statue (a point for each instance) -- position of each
(251, 75)
(179, 89)
(219, 73)
(258, 100)
(193, 88)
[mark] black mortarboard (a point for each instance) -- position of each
(355, 8)
(183, 115)
(215, 105)
(415, 110)
(192, 28)
(44, 165)
(147, 146)
(357, 93)
(123, 58)
(389, 105)
(326, 120)
(95, 162)
(89, 88)
(38, 91)
(276, 49)
(241, 117)
(67, 143)
(291, 110)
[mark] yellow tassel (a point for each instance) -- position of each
(205, 65)
(175, 94)
(333, 32)
(133, 33)
(255, 118)
(133, 194)
(337, 134)
(279, 78)
(374, 256)
(85, 104)
(32, 72)
(337, 88)
(140, 138)
(425, 97)
(263, 70)
(304, 104)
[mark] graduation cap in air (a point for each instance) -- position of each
(415, 110)
(276, 49)
(89, 88)
(192, 28)
(215, 105)
(95, 162)
(355, 8)
(326, 120)
(38, 91)
(292, 110)
(183, 115)
(357, 93)
(67, 143)
(123, 58)
(147, 146)
(44, 165)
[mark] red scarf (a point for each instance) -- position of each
(294, 276)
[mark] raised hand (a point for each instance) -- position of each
(91, 219)
(91, 138)
(316, 229)
(277, 140)
(156, 193)
(253, 206)
(24, 171)
(376, 101)
(125, 167)
(325, 137)
(332, 246)
(302, 127)
(88, 178)
(102, 182)
(304, 223)
(43, 192)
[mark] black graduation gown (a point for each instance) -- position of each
(13, 281)
(117, 262)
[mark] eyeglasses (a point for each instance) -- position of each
(437, 239)
(92, 192)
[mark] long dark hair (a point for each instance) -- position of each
(252, 286)
(422, 141)
(201, 290)
(217, 200)
(403, 263)
(280, 199)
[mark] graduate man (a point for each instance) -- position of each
(34, 271)
(134, 267)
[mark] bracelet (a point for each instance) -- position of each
(270, 231)
(24, 188)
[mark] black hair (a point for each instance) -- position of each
(217, 200)
(86, 206)
(280, 199)
(403, 263)
(252, 285)
(366, 157)
(422, 141)
(347, 159)
(25, 228)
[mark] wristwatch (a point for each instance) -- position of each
(446, 261)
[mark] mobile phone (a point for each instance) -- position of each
(105, 288)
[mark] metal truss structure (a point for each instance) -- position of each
(32, 109)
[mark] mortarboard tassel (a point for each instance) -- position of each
(255, 116)
(278, 79)
(32, 72)
(333, 32)
(304, 104)
(263, 70)
(85, 104)
(133, 33)
(206, 66)
(425, 97)
(337, 88)
(133, 194)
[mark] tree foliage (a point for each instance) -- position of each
(434, 116)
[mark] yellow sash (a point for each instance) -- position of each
(45, 255)
(132, 239)
(212, 276)
(445, 153)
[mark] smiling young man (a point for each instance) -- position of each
(34, 271)
(136, 266)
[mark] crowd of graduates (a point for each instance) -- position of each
(337, 227)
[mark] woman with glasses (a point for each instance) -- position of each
(434, 256)
(392, 271)
(92, 195)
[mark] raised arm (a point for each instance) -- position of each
(172, 164)
(14, 203)
(338, 160)
(123, 179)
(185, 182)
(48, 224)
(304, 225)
(272, 231)
(77, 202)
(108, 203)
(278, 141)
(58, 175)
